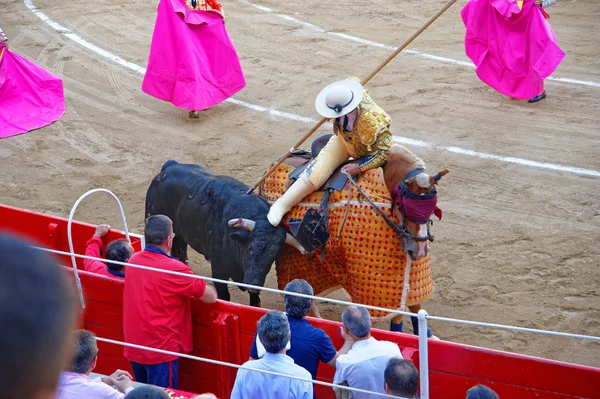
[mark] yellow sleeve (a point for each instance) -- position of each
(382, 151)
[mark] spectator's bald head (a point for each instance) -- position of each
(357, 321)
(37, 314)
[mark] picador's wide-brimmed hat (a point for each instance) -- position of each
(339, 98)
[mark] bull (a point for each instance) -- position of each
(212, 214)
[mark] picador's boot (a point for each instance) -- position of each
(415, 322)
(397, 327)
(296, 193)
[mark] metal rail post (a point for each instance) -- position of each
(423, 354)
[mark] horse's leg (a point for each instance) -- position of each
(415, 321)
(314, 311)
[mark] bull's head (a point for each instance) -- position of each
(261, 243)
(414, 202)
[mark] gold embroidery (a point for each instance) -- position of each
(200, 5)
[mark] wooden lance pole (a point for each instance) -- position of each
(363, 82)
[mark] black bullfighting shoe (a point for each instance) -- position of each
(194, 114)
(537, 98)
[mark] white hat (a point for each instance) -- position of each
(339, 98)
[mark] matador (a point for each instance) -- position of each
(361, 131)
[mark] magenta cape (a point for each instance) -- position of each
(514, 50)
(30, 96)
(192, 63)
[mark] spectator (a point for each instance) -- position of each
(309, 345)
(37, 312)
(156, 307)
(75, 383)
(274, 334)
(148, 392)
(362, 366)
(118, 250)
(401, 378)
(481, 392)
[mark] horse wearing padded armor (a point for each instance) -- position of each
(363, 254)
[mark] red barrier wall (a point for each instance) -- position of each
(224, 331)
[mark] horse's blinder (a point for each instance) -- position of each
(402, 197)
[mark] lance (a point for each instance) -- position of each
(363, 82)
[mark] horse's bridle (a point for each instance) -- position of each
(400, 229)
(406, 193)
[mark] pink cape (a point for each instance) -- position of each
(30, 96)
(514, 50)
(192, 62)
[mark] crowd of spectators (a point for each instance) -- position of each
(44, 357)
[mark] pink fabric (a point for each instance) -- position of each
(514, 50)
(416, 209)
(30, 96)
(192, 63)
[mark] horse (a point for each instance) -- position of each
(365, 255)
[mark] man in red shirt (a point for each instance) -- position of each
(118, 250)
(156, 307)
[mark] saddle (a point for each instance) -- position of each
(300, 159)
(311, 231)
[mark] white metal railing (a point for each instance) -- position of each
(70, 237)
(238, 366)
(422, 316)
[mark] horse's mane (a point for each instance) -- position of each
(401, 153)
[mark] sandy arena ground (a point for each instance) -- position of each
(518, 244)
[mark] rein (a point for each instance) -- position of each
(401, 230)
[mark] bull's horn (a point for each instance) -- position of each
(242, 223)
(440, 174)
(291, 240)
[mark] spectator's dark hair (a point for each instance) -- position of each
(402, 378)
(357, 320)
(158, 229)
(85, 351)
(37, 313)
(147, 392)
(481, 392)
(296, 306)
(119, 251)
(274, 331)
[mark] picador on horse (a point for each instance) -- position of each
(358, 251)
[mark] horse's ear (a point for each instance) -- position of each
(436, 178)
(407, 182)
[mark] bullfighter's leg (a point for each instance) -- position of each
(315, 175)
(179, 249)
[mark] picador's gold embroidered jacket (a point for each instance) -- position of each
(370, 137)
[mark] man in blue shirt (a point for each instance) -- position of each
(274, 335)
(309, 345)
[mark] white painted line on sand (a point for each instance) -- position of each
(392, 48)
(286, 115)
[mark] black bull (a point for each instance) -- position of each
(211, 214)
